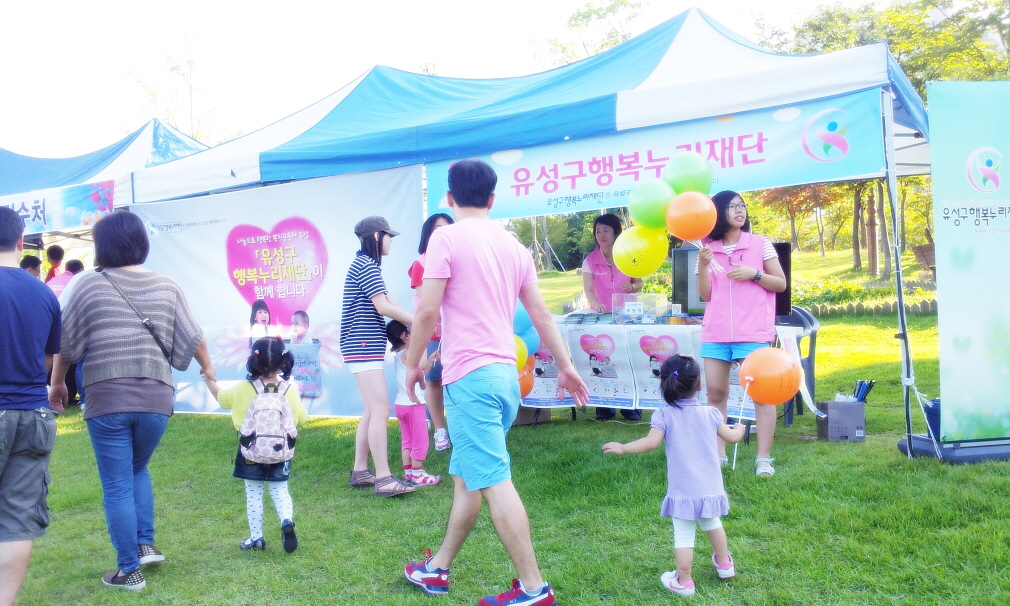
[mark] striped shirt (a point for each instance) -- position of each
(362, 330)
(100, 325)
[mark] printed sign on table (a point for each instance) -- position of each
(648, 348)
(600, 355)
(545, 382)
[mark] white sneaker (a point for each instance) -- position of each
(724, 570)
(442, 439)
(671, 581)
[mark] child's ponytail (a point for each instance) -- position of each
(267, 356)
(679, 378)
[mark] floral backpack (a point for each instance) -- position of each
(268, 432)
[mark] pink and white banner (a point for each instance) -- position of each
(271, 261)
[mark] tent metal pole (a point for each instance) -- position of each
(907, 374)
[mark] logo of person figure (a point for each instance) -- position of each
(833, 144)
(982, 169)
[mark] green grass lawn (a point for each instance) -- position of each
(841, 523)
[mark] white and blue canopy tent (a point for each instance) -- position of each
(764, 119)
(54, 194)
(686, 69)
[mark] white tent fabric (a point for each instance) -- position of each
(687, 68)
(232, 164)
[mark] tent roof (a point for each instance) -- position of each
(687, 68)
(155, 143)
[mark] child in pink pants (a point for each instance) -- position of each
(413, 420)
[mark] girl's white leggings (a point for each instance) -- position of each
(254, 504)
(683, 530)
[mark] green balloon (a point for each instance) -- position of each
(648, 203)
(688, 171)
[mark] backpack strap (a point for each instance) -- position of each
(258, 386)
(282, 387)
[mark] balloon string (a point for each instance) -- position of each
(714, 265)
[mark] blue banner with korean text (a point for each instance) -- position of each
(62, 208)
(970, 137)
(828, 140)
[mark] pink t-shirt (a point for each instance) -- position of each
(485, 267)
(60, 282)
(416, 273)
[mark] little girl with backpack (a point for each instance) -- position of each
(694, 478)
(413, 422)
(266, 411)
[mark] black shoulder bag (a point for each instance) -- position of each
(143, 319)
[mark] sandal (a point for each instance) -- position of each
(362, 479)
(764, 472)
(391, 486)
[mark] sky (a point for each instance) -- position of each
(78, 76)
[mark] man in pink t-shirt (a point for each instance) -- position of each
(474, 272)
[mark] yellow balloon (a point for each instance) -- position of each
(639, 251)
(521, 353)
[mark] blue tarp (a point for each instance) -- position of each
(20, 174)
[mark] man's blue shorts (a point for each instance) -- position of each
(727, 352)
(479, 410)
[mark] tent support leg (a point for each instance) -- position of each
(907, 373)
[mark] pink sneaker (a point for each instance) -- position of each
(724, 570)
(423, 478)
(672, 582)
(408, 475)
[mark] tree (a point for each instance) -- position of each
(796, 202)
(592, 30)
(173, 101)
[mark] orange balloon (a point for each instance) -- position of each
(525, 383)
(771, 376)
(691, 216)
(530, 363)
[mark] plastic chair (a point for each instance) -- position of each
(801, 318)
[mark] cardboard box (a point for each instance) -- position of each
(525, 416)
(846, 421)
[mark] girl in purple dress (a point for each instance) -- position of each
(694, 479)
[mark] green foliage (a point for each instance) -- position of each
(660, 282)
(592, 30)
(930, 40)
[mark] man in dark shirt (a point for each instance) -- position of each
(30, 328)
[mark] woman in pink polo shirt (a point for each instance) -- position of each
(740, 314)
(601, 280)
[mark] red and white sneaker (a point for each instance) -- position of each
(517, 596)
(442, 439)
(432, 581)
(724, 570)
(672, 582)
(423, 478)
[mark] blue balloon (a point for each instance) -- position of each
(521, 321)
(532, 340)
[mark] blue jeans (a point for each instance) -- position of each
(124, 443)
